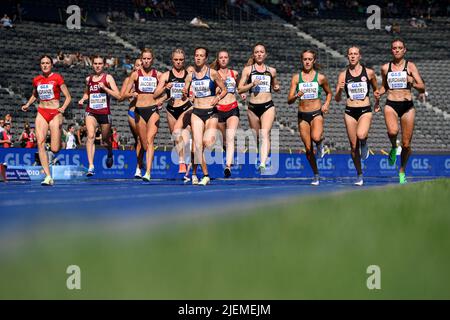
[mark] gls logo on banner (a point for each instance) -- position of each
(69, 160)
(447, 164)
(420, 164)
(27, 159)
(160, 163)
(119, 162)
(294, 164)
(12, 159)
(325, 164)
(351, 165)
(384, 165)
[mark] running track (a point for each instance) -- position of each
(26, 204)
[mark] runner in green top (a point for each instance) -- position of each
(308, 85)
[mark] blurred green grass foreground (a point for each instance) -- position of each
(308, 248)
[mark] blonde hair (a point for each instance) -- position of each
(177, 51)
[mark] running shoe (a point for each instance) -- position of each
(194, 180)
(392, 156)
(320, 150)
(364, 151)
(146, 177)
(109, 161)
(186, 179)
(91, 172)
(182, 168)
(262, 168)
(204, 181)
(138, 174)
(48, 181)
(227, 172)
(402, 178)
(315, 181)
(359, 181)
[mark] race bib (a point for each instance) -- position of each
(397, 80)
(264, 83)
(147, 84)
(230, 83)
(310, 90)
(357, 90)
(176, 90)
(98, 101)
(201, 88)
(45, 91)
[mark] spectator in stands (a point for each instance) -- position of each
(24, 136)
(28, 137)
(169, 7)
(98, 136)
(6, 22)
(2, 124)
(395, 28)
(87, 61)
(115, 139)
(59, 58)
(111, 62)
(6, 139)
(81, 134)
(32, 137)
(137, 16)
(70, 137)
(126, 64)
(197, 22)
(69, 60)
(421, 23)
(413, 22)
(8, 118)
(158, 7)
(388, 28)
(18, 13)
(139, 3)
(391, 9)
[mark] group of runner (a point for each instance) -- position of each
(202, 98)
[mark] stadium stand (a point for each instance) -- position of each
(235, 28)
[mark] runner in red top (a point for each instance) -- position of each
(99, 87)
(228, 108)
(47, 88)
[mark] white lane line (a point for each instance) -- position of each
(22, 202)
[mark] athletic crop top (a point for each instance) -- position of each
(204, 87)
(397, 80)
(357, 88)
(176, 92)
(98, 98)
(48, 88)
(230, 82)
(146, 84)
(265, 80)
(311, 90)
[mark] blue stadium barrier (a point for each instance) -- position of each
(165, 165)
